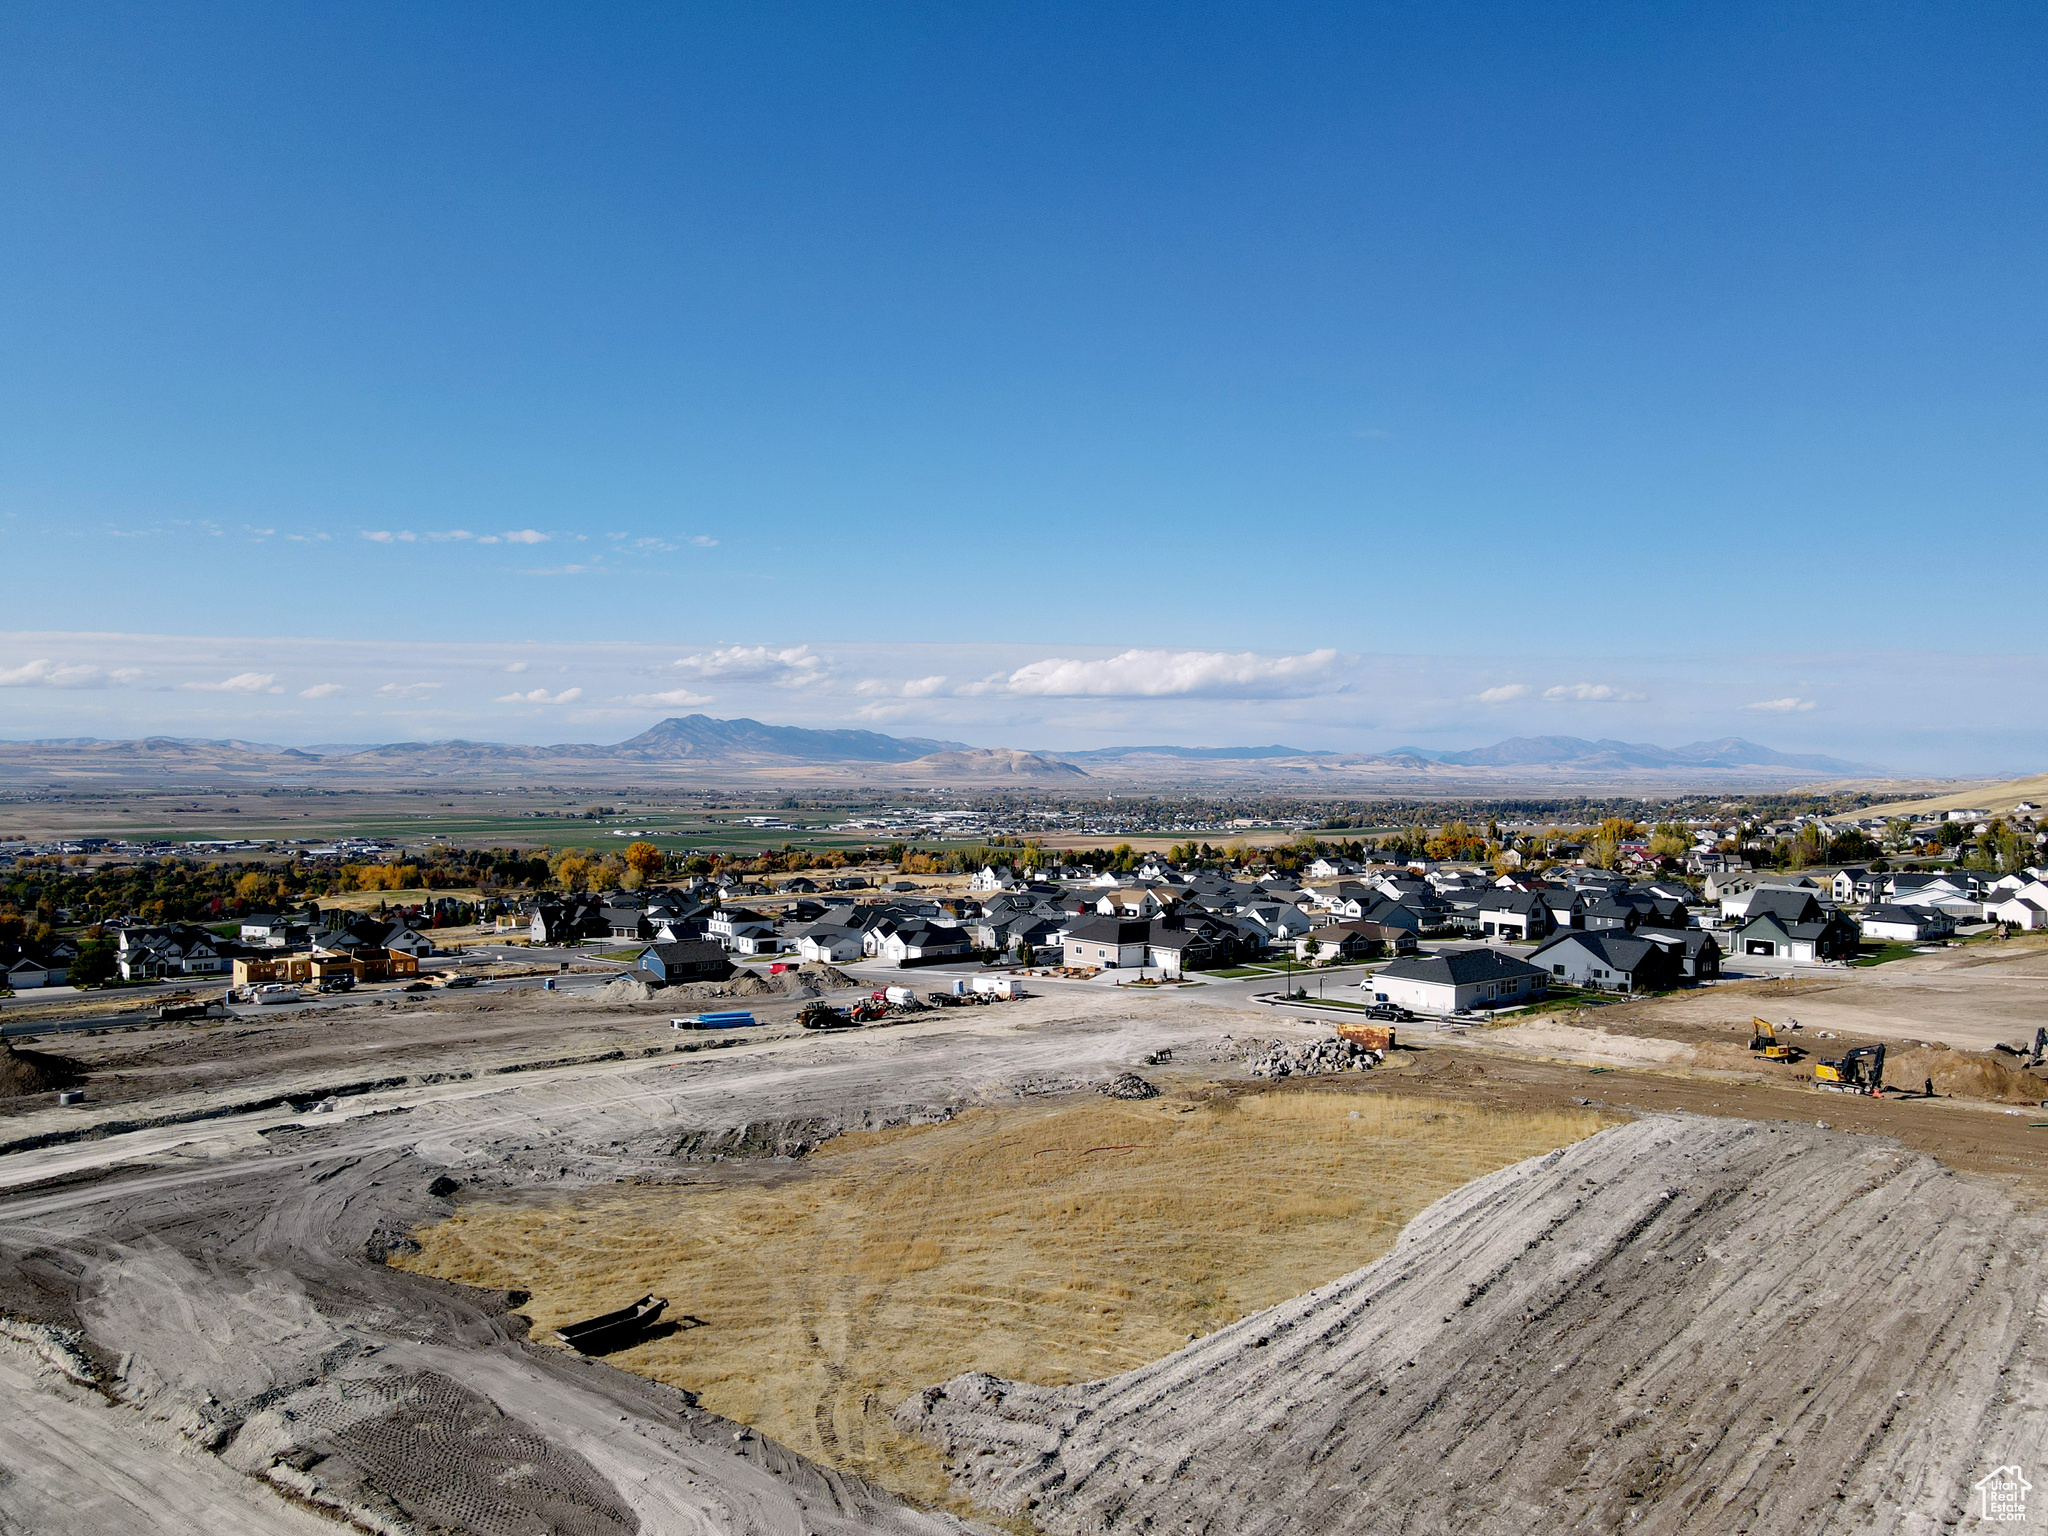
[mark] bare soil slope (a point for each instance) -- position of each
(1680, 1324)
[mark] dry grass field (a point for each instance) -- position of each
(1057, 1244)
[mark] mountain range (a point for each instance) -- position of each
(699, 746)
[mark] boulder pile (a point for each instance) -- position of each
(1314, 1057)
(1128, 1085)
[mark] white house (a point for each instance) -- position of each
(919, 942)
(829, 945)
(1905, 925)
(1469, 978)
(1107, 942)
(742, 929)
(2026, 908)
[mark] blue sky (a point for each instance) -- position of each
(1427, 373)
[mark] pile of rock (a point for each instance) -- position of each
(1314, 1058)
(1128, 1085)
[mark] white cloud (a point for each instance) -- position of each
(1503, 694)
(540, 696)
(1160, 674)
(1591, 693)
(557, 570)
(704, 541)
(452, 535)
(407, 690)
(794, 666)
(526, 536)
(1782, 706)
(322, 691)
(674, 698)
(387, 536)
(916, 688)
(45, 673)
(241, 682)
(515, 666)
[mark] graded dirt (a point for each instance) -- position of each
(1611, 1337)
(1064, 1244)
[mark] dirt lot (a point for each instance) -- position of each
(1715, 1314)
(1065, 1244)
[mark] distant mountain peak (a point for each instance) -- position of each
(705, 738)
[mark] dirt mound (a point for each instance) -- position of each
(1955, 1074)
(624, 989)
(1965, 1075)
(27, 1072)
(828, 978)
(1695, 1324)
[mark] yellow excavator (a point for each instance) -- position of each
(1858, 1071)
(1763, 1039)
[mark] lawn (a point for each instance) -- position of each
(1879, 954)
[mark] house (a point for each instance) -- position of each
(1608, 914)
(1566, 908)
(2025, 908)
(1397, 914)
(566, 922)
(1134, 901)
(1464, 979)
(1697, 952)
(1278, 922)
(822, 944)
(741, 928)
(626, 922)
(265, 931)
(1724, 885)
(178, 949)
(1178, 946)
(921, 943)
(1107, 942)
(1848, 886)
(1609, 960)
(1905, 925)
(800, 886)
(1356, 940)
(409, 941)
(993, 877)
(673, 926)
(689, 960)
(1330, 869)
(1792, 925)
(1513, 915)
(22, 967)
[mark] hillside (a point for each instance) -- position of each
(1990, 797)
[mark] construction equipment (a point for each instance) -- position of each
(1856, 1071)
(1764, 1039)
(1374, 1037)
(2033, 1058)
(817, 1015)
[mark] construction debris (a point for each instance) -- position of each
(1315, 1057)
(1128, 1085)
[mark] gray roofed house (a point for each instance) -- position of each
(1610, 960)
(688, 960)
(1460, 979)
(1513, 915)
